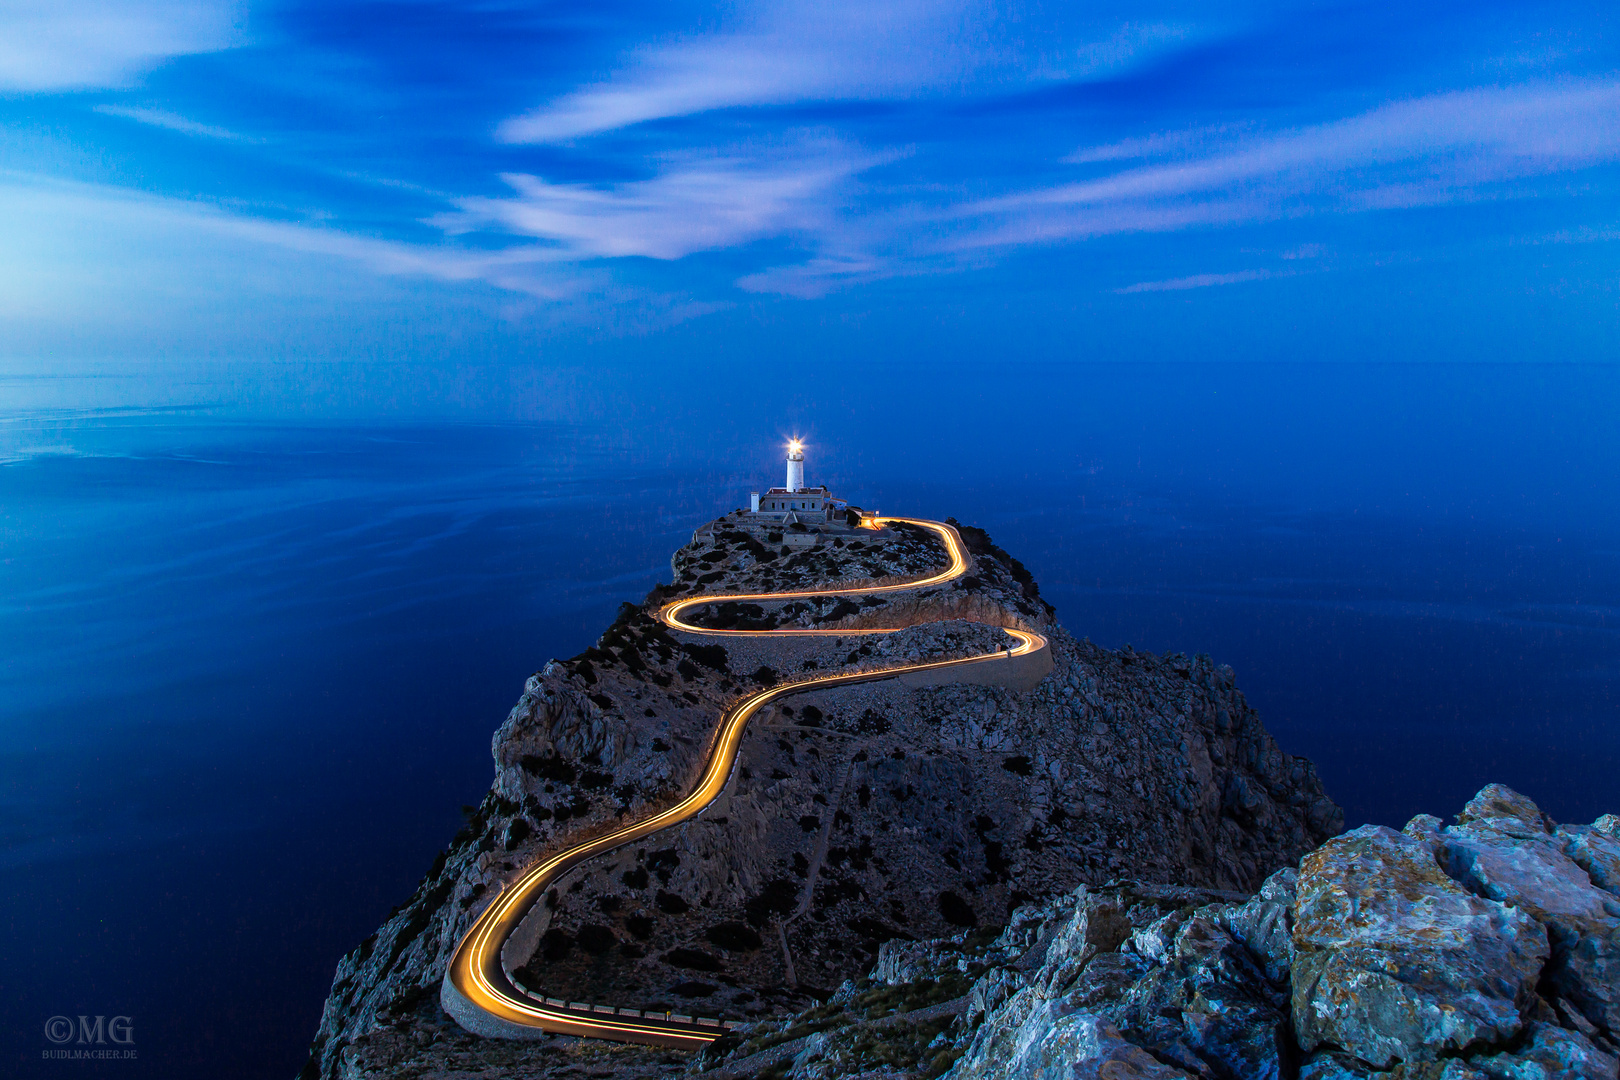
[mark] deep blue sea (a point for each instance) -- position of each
(258, 625)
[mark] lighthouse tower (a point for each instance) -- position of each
(795, 466)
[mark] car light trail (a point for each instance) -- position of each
(476, 970)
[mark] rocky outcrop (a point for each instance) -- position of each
(1058, 1041)
(1431, 954)
(1166, 974)
(870, 814)
(1395, 961)
(1504, 848)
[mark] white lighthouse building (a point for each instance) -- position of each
(793, 502)
(795, 516)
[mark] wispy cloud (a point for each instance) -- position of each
(527, 270)
(75, 44)
(1196, 281)
(819, 276)
(79, 208)
(694, 203)
(173, 122)
(1426, 151)
(1161, 144)
(801, 50)
(804, 212)
(806, 190)
(1422, 152)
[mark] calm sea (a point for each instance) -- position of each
(257, 629)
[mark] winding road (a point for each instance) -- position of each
(480, 994)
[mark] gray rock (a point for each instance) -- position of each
(1155, 941)
(1425, 828)
(1331, 1065)
(1265, 923)
(1553, 1053)
(1106, 980)
(1595, 851)
(1340, 1066)
(1210, 1009)
(1504, 849)
(992, 991)
(812, 1053)
(1501, 804)
(1174, 983)
(901, 961)
(1281, 887)
(1099, 924)
(1334, 1065)
(1393, 961)
(1058, 1042)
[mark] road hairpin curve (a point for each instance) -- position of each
(478, 989)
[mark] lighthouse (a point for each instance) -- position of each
(795, 516)
(795, 465)
(794, 503)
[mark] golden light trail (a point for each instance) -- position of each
(476, 969)
(670, 613)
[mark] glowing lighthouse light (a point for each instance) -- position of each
(795, 465)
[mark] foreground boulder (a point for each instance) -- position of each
(1475, 952)
(1504, 848)
(1395, 961)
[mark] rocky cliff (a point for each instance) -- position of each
(856, 817)
(1486, 950)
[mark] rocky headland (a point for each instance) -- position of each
(860, 822)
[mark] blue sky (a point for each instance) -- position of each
(1174, 180)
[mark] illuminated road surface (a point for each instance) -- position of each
(476, 970)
